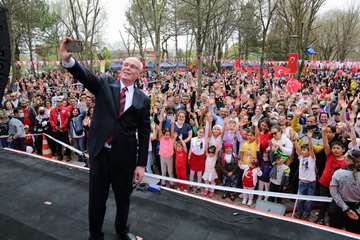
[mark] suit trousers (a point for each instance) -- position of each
(107, 169)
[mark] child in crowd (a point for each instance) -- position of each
(279, 175)
(230, 133)
(248, 149)
(167, 139)
(29, 140)
(197, 155)
(180, 162)
(263, 135)
(229, 169)
(265, 164)
(210, 174)
(151, 152)
(216, 138)
(307, 174)
(335, 159)
(249, 179)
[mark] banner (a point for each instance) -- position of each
(293, 59)
(293, 85)
(281, 71)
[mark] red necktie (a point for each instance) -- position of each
(122, 100)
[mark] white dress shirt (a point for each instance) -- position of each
(129, 93)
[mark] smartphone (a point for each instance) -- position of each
(74, 46)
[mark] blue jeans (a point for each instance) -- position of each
(4, 143)
(306, 188)
(150, 162)
(79, 143)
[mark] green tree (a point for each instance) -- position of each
(153, 15)
(299, 17)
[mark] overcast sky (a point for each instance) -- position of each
(115, 21)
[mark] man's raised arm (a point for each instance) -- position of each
(79, 72)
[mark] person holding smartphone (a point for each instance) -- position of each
(119, 142)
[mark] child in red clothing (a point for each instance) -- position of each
(29, 140)
(180, 162)
(335, 159)
(249, 178)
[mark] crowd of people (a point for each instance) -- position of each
(229, 129)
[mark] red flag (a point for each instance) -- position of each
(339, 73)
(293, 85)
(249, 71)
(293, 62)
(237, 64)
(266, 73)
(354, 69)
(281, 71)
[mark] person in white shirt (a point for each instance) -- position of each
(197, 155)
(280, 141)
(307, 174)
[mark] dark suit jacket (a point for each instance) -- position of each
(132, 151)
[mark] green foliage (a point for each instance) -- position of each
(104, 54)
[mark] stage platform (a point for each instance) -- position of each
(40, 200)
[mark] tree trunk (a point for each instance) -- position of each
(219, 56)
(176, 31)
(239, 44)
(158, 50)
(262, 59)
(246, 52)
(199, 65)
(29, 33)
(12, 47)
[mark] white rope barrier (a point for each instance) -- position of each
(33, 134)
(241, 191)
(65, 145)
(217, 187)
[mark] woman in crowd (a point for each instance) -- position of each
(77, 132)
(183, 129)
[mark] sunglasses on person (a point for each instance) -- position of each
(274, 133)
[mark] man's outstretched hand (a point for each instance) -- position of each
(63, 52)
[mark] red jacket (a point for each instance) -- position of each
(69, 108)
(64, 116)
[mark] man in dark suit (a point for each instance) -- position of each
(118, 139)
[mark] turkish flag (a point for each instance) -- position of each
(293, 62)
(237, 64)
(293, 85)
(281, 71)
